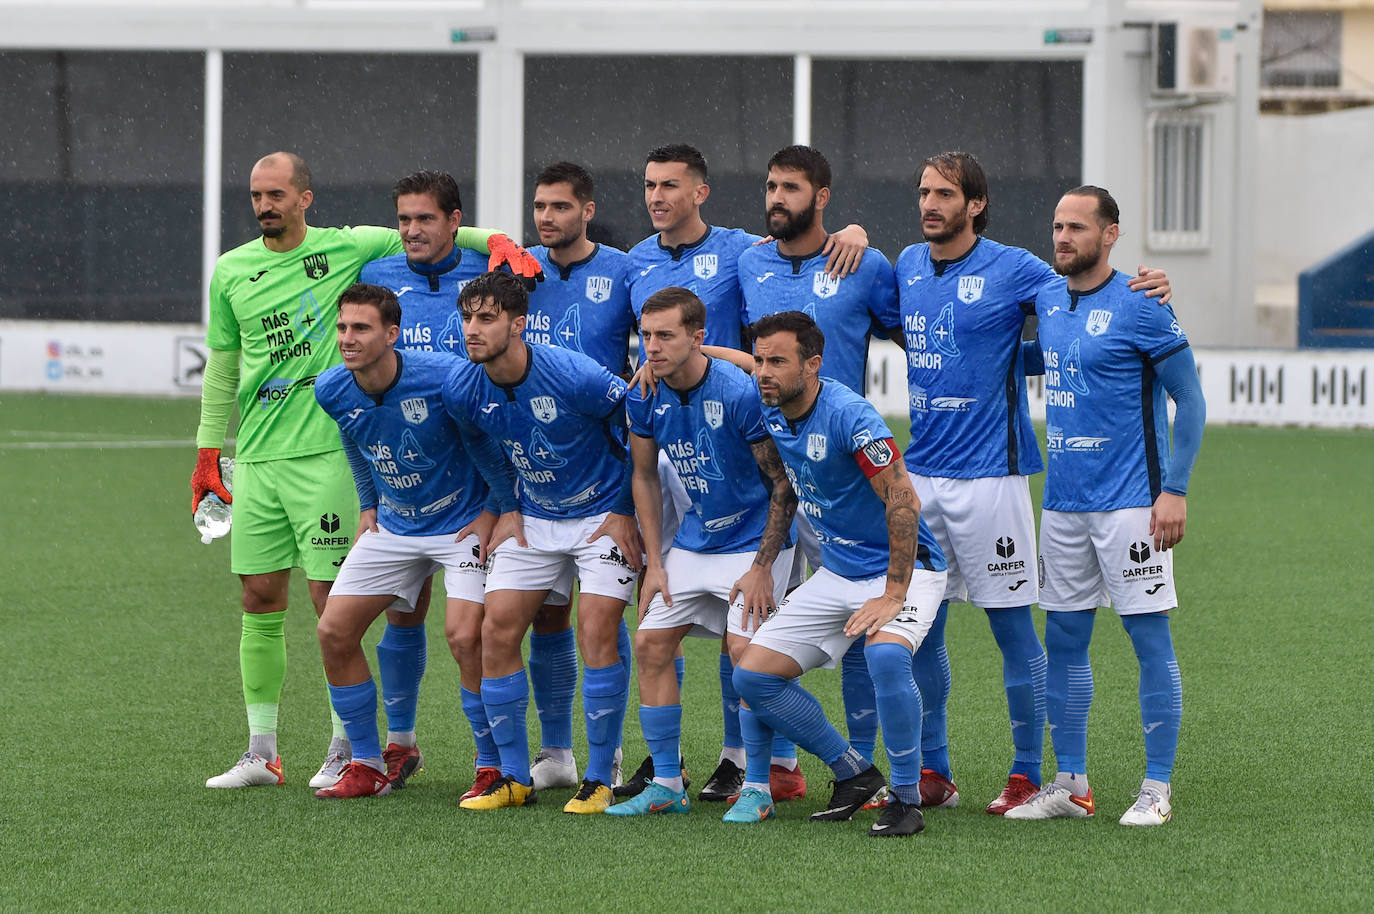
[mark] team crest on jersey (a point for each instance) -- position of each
(415, 410)
(815, 447)
(823, 285)
(705, 265)
(970, 288)
(714, 411)
(598, 288)
(544, 409)
(1098, 319)
(316, 266)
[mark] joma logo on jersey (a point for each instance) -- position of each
(714, 411)
(1098, 319)
(815, 447)
(823, 285)
(705, 265)
(415, 410)
(316, 266)
(970, 288)
(544, 409)
(598, 288)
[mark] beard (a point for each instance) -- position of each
(785, 394)
(793, 226)
(564, 240)
(949, 231)
(492, 352)
(276, 231)
(1081, 262)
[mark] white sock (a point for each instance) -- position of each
(1076, 783)
(734, 754)
(789, 763)
(670, 783)
(558, 754)
(1162, 787)
(401, 739)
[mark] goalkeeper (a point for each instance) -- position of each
(271, 333)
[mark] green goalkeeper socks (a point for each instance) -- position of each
(262, 662)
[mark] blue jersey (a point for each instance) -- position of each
(707, 433)
(962, 320)
(847, 310)
(1107, 422)
(708, 266)
(423, 464)
(828, 453)
(562, 427)
(584, 307)
(428, 293)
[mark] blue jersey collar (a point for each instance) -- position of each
(677, 251)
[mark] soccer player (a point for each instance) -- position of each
(964, 299)
(1114, 502)
(789, 274)
(269, 338)
(419, 485)
(560, 419)
(735, 541)
(882, 577)
(687, 252)
(583, 305)
(426, 278)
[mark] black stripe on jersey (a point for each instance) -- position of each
(618, 450)
(1147, 422)
(923, 555)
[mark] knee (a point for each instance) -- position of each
(652, 650)
(464, 641)
(755, 687)
(550, 620)
(262, 601)
(335, 639)
(889, 664)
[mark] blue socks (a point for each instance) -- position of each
(899, 704)
(662, 726)
(758, 739)
(1161, 691)
(680, 668)
(729, 704)
(356, 706)
(785, 707)
(622, 647)
(860, 709)
(488, 756)
(605, 694)
(506, 699)
(930, 668)
(1069, 686)
(1023, 676)
(401, 657)
(553, 676)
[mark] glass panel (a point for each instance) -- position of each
(100, 170)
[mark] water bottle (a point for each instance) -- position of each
(213, 516)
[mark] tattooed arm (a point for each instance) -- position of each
(903, 512)
(756, 585)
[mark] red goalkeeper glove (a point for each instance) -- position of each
(206, 479)
(520, 261)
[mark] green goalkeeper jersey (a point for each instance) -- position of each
(278, 310)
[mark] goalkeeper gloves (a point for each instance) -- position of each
(521, 262)
(206, 479)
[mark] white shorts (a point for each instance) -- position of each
(809, 625)
(700, 584)
(986, 528)
(1103, 558)
(557, 553)
(389, 563)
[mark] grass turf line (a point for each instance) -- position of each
(121, 635)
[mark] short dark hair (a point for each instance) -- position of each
(804, 159)
(685, 300)
(300, 171)
(505, 291)
(1108, 213)
(380, 297)
(809, 336)
(569, 173)
(438, 184)
(962, 168)
(680, 152)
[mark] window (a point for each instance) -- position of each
(1180, 147)
(1301, 49)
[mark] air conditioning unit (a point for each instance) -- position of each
(1194, 58)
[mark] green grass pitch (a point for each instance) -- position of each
(121, 695)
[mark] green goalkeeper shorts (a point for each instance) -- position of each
(301, 511)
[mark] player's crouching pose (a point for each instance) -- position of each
(417, 475)
(883, 575)
(1114, 498)
(560, 419)
(734, 542)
